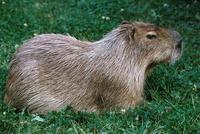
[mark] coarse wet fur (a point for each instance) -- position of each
(51, 71)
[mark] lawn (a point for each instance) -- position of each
(172, 91)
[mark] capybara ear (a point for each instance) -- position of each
(125, 22)
(128, 29)
(131, 32)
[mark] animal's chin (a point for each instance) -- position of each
(150, 66)
(175, 55)
(153, 64)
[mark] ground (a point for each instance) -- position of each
(172, 91)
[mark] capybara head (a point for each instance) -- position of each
(153, 44)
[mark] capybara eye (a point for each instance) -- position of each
(151, 36)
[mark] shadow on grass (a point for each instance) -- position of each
(3, 75)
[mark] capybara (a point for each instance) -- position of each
(51, 71)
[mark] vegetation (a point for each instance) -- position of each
(172, 91)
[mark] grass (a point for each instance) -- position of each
(172, 92)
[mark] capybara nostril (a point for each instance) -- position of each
(179, 44)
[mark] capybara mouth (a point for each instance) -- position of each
(176, 55)
(177, 47)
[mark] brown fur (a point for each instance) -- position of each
(52, 71)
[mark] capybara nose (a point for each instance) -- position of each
(177, 38)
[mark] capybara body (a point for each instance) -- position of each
(52, 71)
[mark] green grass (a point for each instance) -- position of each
(172, 92)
